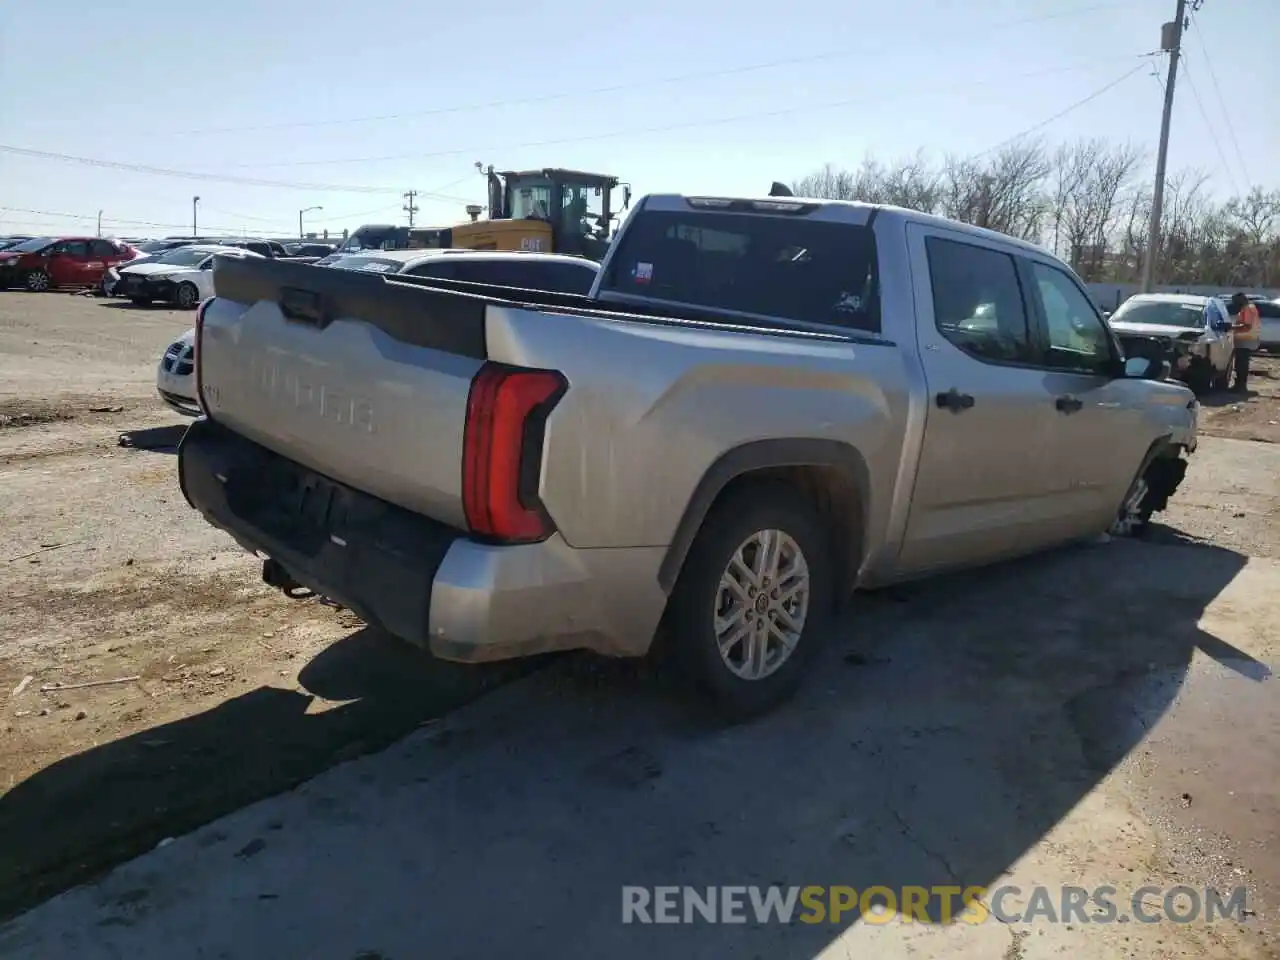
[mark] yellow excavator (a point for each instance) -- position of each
(550, 211)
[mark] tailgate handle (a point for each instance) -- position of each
(304, 306)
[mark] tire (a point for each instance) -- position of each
(734, 530)
(1135, 511)
(1201, 378)
(140, 301)
(186, 296)
(37, 281)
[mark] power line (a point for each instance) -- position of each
(620, 87)
(1062, 113)
(106, 220)
(1231, 130)
(630, 132)
(633, 131)
(246, 216)
(1213, 134)
(204, 176)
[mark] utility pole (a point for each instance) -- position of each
(1171, 41)
(411, 208)
(195, 203)
(300, 213)
(99, 223)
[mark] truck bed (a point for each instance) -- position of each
(365, 379)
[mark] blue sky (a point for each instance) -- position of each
(377, 98)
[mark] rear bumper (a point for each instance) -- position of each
(414, 577)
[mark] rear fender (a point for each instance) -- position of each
(757, 457)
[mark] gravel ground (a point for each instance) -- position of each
(109, 576)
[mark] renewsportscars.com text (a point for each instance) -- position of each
(937, 904)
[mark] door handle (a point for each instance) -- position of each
(954, 400)
(1068, 404)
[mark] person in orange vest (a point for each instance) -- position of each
(1246, 331)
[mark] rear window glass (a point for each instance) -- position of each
(794, 268)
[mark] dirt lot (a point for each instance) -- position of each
(215, 691)
(107, 575)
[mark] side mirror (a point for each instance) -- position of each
(1147, 368)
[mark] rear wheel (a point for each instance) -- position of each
(37, 281)
(753, 596)
(187, 296)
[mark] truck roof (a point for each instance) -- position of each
(852, 210)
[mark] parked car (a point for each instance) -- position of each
(1193, 333)
(160, 246)
(182, 277)
(1269, 314)
(533, 271)
(309, 249)
(9, 242)
(762, 405)
(175, 380)
(47, 262)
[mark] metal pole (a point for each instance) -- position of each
(99, 223)
(299, 224)
(1162, 156)
(195, 227)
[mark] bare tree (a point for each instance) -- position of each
(1084, 199)
(828, 183)
(1090, 178)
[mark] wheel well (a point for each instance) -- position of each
(832, 492)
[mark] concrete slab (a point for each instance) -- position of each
(1037, 724)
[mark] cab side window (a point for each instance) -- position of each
(105, 248)
(1078, 340)
(977, 301)
(73, 248)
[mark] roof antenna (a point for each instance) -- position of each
(780, 190)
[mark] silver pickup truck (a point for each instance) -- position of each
(762, 405)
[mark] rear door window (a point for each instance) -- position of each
(790, 266)
(977, 301)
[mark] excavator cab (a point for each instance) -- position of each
(552, 210)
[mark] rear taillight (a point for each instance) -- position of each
(195, 353)
(507, 409)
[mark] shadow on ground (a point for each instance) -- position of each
(1225, 398)
(111, 803)
(120, 303)
(154, 439)
(947, 729)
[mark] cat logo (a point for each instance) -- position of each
(532, 244)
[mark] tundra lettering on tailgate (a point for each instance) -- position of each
(279, 384)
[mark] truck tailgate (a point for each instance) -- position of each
(359, 378)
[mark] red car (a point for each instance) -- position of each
(47, 262)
